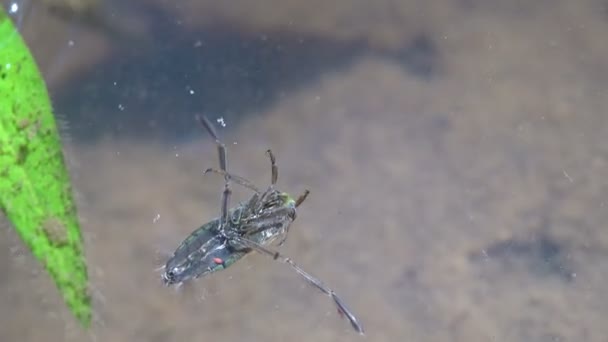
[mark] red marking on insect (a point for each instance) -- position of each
(218, 261)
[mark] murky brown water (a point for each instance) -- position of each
(468, 205)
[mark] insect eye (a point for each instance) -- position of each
(169, 276)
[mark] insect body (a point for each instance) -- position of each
(265, 218)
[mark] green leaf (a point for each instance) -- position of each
(35, 190)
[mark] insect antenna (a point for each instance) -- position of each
(342, 309)
(221, 150)
(302, 197)
(275, 169)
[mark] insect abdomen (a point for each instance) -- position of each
(197, 239)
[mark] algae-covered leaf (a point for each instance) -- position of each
(35, 191)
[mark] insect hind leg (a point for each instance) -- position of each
(221, 150)
(275, 255)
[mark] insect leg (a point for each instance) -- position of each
(302, 198)
(342, 309)
(273, 218)
(237, 179)
(275, 169)
(252, 203)
(221, 150)
(225, 203)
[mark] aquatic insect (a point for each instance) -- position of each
(252, 226)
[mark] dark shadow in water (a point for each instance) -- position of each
(541, 254)
(153, 90)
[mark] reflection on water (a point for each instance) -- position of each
(465, 203)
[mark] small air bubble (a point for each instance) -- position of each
(191, 92)
(567, 176)
(485, 254)
(221, 121)
(71, 43)
(121, 107)
(14, 8)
